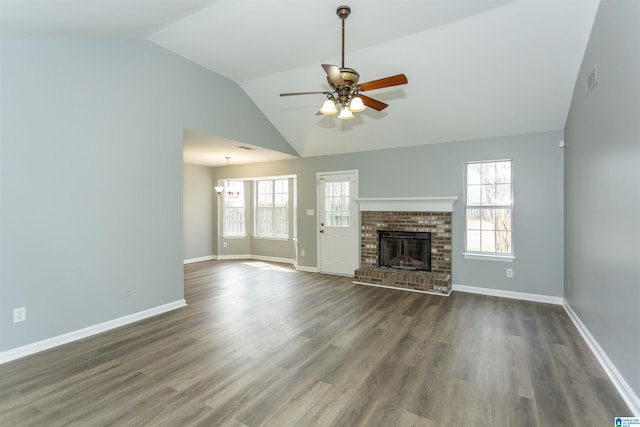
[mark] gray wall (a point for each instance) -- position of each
(91, 176)
(602, 227)
(437, 170)
(199, 202)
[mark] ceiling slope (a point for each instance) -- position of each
(476, 68)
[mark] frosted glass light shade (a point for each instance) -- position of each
(345, 114)
(329, 107)
(356, 105)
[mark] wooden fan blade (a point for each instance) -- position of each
(303, 93)
(399, 79)
(373, 103)
(334, 74)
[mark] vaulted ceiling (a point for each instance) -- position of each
(476, 68)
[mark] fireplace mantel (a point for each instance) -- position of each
(407, 204)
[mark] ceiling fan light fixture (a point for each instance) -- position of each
(346, 87)
(356, 105)
(345, 114)
(329, 107)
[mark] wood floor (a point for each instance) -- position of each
(261, 344)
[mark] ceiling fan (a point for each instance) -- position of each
(345, 90)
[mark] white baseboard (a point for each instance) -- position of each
(402, 289)
(203, 258)
(48, 343)
(509, 294)
(307, 269)
(257, 258)
(273, 259)
(625, 391)
(227, 257)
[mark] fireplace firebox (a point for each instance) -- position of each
(405, 250)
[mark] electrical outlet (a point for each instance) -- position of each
(19, 314)
(224, 244)
(509, 272)
(127, 292)
(301, 252)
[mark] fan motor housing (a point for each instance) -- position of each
(349, 75)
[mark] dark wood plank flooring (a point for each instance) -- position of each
(262, 344)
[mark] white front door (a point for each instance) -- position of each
(338, 222)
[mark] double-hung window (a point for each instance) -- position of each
(233, 215)
(272, 208)
(489, 208)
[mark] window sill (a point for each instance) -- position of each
(282, 239)
(488, 257)
(235, 236)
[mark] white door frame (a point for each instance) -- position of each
(354, 197)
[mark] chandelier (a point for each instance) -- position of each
(225, 191)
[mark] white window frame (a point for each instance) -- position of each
(226, 201)
(273, 209)
(488, 255)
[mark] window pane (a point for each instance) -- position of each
(234, 221)
(487, 241)
(503, 172)
(503, 194)
(474, 194)
(473, 219)
(503, 242)
(503, 219)
(265, 187)
(281, 186)
(488, 195)
(488, 173)
(336, 204)
(280, 222)
(473, 240)
(488, 219)
(474, 173)
(280, 200)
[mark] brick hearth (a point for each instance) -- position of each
(438, 280)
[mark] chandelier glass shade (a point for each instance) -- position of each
(345, 114)
(356, 105)
(329, 107)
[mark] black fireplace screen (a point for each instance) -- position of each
(404, 250)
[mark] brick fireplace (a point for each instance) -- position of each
(425, 215)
